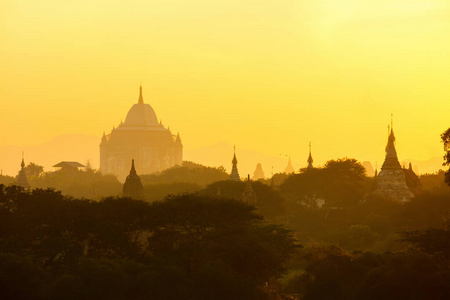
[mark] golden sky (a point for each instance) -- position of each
(264, 75)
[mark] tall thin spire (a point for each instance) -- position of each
(23, 162)
(310, 159)
(392, 121)
(234, 170)
(133, 170)
(141, 99)
(132, 187)
(22, 177)
(391, 160)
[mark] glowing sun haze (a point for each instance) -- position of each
(264, 75)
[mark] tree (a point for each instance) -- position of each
(184, 247)
(34, 170)
(188, 172)
(340, 183)
(446, 140)
(270, 204)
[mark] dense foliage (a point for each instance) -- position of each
(185, 247)
(446, 140)
(188, 172)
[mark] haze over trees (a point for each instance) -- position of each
(185, 247)
(211, 245)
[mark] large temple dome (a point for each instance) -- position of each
(141, 114)
(152, 146)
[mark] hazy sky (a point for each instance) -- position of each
(265, 75)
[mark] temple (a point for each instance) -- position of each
(391, 181)
(310, 159)
(234, 170)
(249, 196)
(132, 187)
(22, 177)
(259, 173)
(141, 137)
(289, 168)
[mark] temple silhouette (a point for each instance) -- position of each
(391, 181)
(141, 137)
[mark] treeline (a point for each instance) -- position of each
(185, 247)
(419, 272)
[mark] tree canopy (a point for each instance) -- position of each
(188, 172)
(186, 246)
(445, 137)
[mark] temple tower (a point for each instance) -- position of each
(249, 196)
(22, 177)
(391, 179)
(289, 168)
(132, 187)
(234, 171)
(310, 159)
(142, 138)
(259, 173)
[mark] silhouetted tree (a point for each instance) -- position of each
(270, 204)
(188, 172)
(446, 140)
(185, 247)
(34, 170)
(340, 183)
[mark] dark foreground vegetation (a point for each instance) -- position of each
(210, 245)
(185, 247)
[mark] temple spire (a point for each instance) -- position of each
(310, 159)
(132, 187)
(133, 170)
(22, 177)
(289, 168)
(141, 99)
(23, 161)
(234, 170)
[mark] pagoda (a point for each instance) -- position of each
(249, 196)
(132, 187)
(22, 177)
(234, 170)
(310, 159)
(259, 173)
(391, 179)
(289, 168)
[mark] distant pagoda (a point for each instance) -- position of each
(132, 187)
(310, 159)
(391, 181)
(249, 196)
(289, 168)
(234, 171)
(22, 177)
(259, 173)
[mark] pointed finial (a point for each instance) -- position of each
(23, 162)
(133, 170)
(141, 99)
(248, 177)
(392, 121)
